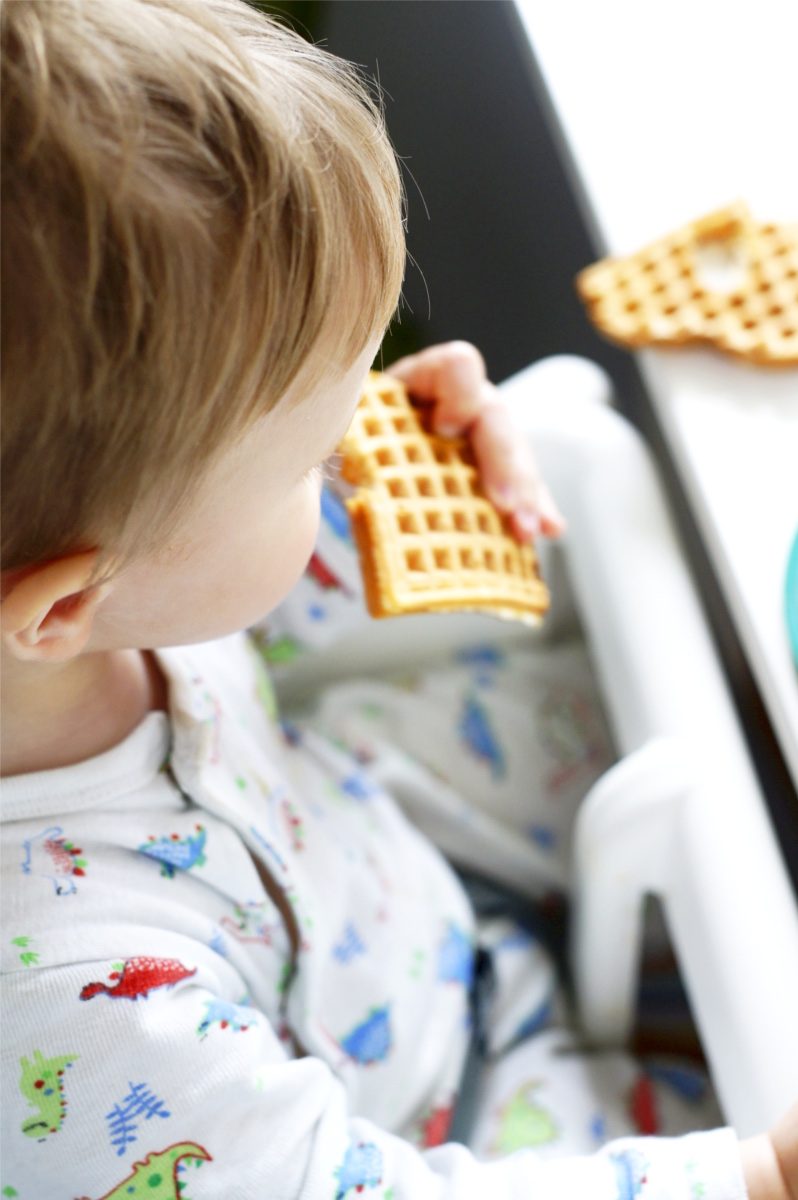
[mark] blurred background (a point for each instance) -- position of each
(495, 235)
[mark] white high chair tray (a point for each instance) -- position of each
(668, 116)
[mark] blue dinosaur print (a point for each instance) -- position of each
(175, 853)
(475, 731)
(236, 1017)
(350, 945)
(334, 512)
(122, 1119)
(630, 1173)
(456, 957)
(545, 837)
(598, 1128)
(688, 1082)
(359, 786)
(362, 1167)
(480, 656)
(218, 943)
(370, 1041)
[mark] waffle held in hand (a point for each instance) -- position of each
(427, 536)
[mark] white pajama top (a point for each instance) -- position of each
(233, 969)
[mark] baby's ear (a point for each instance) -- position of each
(47, 612)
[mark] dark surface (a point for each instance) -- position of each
(496, 256)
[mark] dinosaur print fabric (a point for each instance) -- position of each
(233, 968)
(518, 735)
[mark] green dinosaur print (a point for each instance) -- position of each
(697, 1188)
(522, 1123)
(280, 652)
(43, 1087)
(263, 684)
(156, 1177)
(28, 958)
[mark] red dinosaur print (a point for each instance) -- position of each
(50, 855)
(434, 1128)
(63, 855)
(139, 977)
(319, 571)
(643, 1107)
(296, 830)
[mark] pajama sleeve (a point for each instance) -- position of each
(148, 1078)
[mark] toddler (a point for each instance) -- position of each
(223, 945)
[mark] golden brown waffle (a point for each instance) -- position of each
(428, 538)
(660, 296)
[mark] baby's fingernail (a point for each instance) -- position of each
(554, 525)
(528, 521)
(447, 431)
(503, 496)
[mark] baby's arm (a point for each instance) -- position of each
(770, 1161)
(167, 1074)
(452, 378)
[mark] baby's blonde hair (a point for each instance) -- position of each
(196, 204)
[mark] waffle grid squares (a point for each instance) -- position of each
(428, 537)
(657, 296)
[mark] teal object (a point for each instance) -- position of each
(791, 598)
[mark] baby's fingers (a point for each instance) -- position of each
(538, 515)
(501, 468)
(452, 377)
(510, 476)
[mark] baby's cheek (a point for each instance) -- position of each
(307, 524)
(293, 544)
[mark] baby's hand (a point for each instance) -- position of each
(452, 379)
(770, 1161)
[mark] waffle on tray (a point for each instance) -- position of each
(428, 538)
(659, 297)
